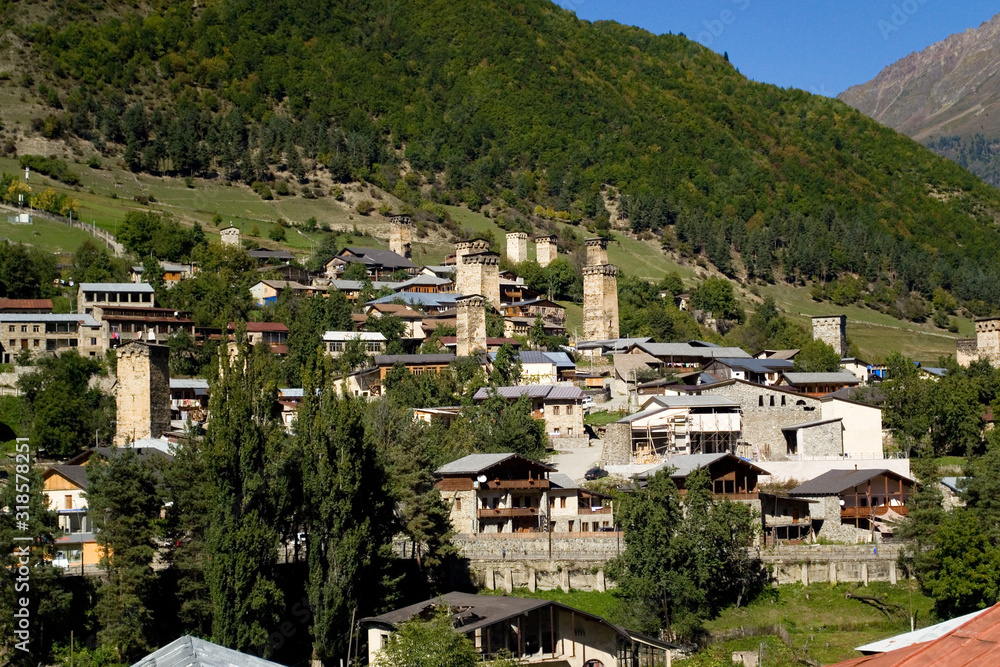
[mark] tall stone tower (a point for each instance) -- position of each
(986, 344)
(832, 330)
(142, 393)
(470, 247)
(517, 247)
(545, 250)
(597, 251)
(470, 325)
(230, 236)
(479, 274)
(600, 302)
(400, 235)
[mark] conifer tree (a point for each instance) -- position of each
(242, 540)
(121, 499)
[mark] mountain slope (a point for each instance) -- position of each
(949, 91)
(517, 106)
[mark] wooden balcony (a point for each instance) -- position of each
(594, 510)
(506, 512)
(514, 484)
(869, 512)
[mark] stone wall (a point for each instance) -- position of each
(832, 330)
(470, 325)
(480, 274)
(400, 235)
(142, 394)
(546, 250)
(517, 247)
(765, 412)
(230, 236)
(594, 547)
(569, 425)
(471, 247)
(833, 563)
(616, 445)
(988, 340)
(541, 575)
(966, 351)
(822, 440)
(600, 302)
(597, 251)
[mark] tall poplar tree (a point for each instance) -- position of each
(349, 512)
(242, 541)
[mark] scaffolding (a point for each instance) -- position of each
(677, 431)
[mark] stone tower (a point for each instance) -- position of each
(832, 330)
(545, 250)
(230, 236)
(517, 247)
(597, 251)
(985, 346)
(470, 325)
(480, 274)
(400, 235)
(142, 392)
(470, 247)
(600, 302)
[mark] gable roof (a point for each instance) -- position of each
(376, 257)
(840, 377)
(811, 424)
(688, 350)
(686, 464)
(974, 643)
(74, 473)
(689, 401)
(193, 652)
(834, 482)
(754, 365)
(546, 392)
(425, 299)
(413, 359)
(475, 463)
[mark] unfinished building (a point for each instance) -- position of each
(673, 425)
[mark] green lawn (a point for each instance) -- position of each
(43, 234)
(601, 418)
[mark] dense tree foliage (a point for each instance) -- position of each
(25, 273)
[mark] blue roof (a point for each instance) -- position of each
(562, 359)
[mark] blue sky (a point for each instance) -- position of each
(822, 46)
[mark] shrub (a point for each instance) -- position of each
(262, 190)
(277, 234)
(364, 207)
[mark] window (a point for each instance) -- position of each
(555, 410)
(760, 401)
(93, 341)
(36, 342)
(782, 401)
(571, 522)
(69, 502)
(24, 328)
(555, 431)
(772, 401)
(569, 409)
(569, 432)
(585, 527)
(458, 504)
(34, 328)
(562, 503)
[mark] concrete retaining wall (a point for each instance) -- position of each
(833, 563)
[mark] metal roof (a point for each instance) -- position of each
(955, 484)
(546, 392)
(117, 287)
(833, 482)
(74, 473)
(342, 336)
(618, 343)
(689, 350)
(475, 463)
(387, 259)
(561, 359)
(87, 320)
(188, 383)
(755, 365)
(920, 636)
(815, 422)
(413, 359)
(558, 480)
(686, 464)
(689, 401)
(358, 285)
(193, 652)
(974, 643)
(420, 298)
(840, 377)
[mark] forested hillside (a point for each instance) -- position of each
(518, 107)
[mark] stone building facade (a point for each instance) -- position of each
(832, 330)
(985, 346)
(142, 393)
(597, 251)
(470, 325)
(517, 247)
(230, 236)
(400, 235)
(470, 247)
(480, 274)
(545, 250)
(600, 302)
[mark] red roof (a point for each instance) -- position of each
(973, 644)
(14, 305)
(262, 326)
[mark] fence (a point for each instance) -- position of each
(107, 238)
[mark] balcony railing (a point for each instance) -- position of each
(868, 512)
(594, 510)
(515, 484)
(506, 512)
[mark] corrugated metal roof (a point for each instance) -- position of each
(688, 350)
(87, 320)
(689, 401)
(385, 258)
(920, 636)
(560, 481)
(755, 365)
(686, 464)
(25, 304)
(194, 652)
(413, 359)
(842, 377)
(833, 482)
(547, 392)
(975, 643)
(419, 298)
(117, 287)
(188, 383)
(341, 336)
(561, 359)
(475, 463)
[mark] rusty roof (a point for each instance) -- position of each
(975, 643)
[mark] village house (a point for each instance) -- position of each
(335, 342)
(47, 333)
(600, 348)
(173, 272)
(267, 255)
(856, 505)
(534, 632)
(450, 343)
(495, 493)
(275, 334)
(574, 509)
(26, 306)
(379, 263)
(428, 303)
(124, 323)
(560, 406)
(426, 284)
(291, 272)
(819, 384)
(759, 371)
(352, 289)
(671, 425)
(411, 318)
(551, 312)
(693, 354)
(417, 364)
(267, 291)
(189, 399)
(542, 367)
(90, 295)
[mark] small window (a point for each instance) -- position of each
(760, 401)
(772, 401)
(782, 401)
(555, 431)
(585, 527)
(562, 502)
(69, 502)
(571, 522)
(555, 410)
(458, 504)
(569, 409)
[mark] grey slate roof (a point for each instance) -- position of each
(547, 392)
(75, 474)
(558, 480)
(386, 259)
(815, 422)
(474, 463)
(193, 652)
(833, 482)
(841, 377)
(688, 350)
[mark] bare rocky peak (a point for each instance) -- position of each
(951, 87)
